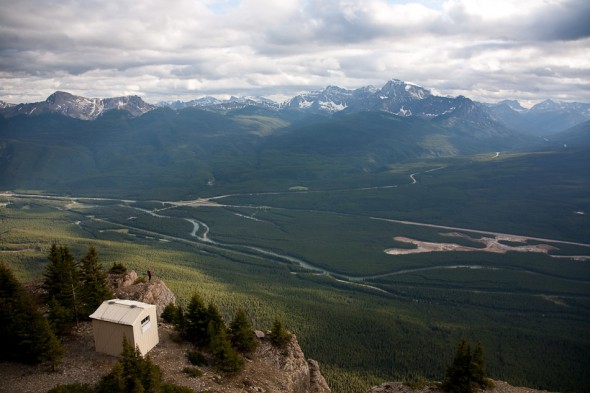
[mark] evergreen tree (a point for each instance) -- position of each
(478, 369)
(196, 320)
(61, 280)
(132, 374)
(466, 373)
(226, 357)
(60, 318)
(179, 321)
(94, 287)
(170, 313)
(242, 335)
(25, 335)
(214, 316)
(279, 335)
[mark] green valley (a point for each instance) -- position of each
(316, 259)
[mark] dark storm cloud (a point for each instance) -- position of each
(567, 21)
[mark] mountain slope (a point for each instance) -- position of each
(183, 152)
(78, 107)
(574, 137)
(545, 118)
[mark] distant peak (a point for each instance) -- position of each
(512, 104)
(396, 81)
(59, 95)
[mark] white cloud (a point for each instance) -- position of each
(161, 50)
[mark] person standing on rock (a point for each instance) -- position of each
(149, 272)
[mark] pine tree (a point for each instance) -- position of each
(132, 374)
(61, 280)
(196, 320)
(170, 313)
(242, 335)
(214, 316)
(279, 335)
(25, 335)
(466, 373)
(94, 288)
(226, 357)
(478, 369)
(60, 318)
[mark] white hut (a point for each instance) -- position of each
(117, 318)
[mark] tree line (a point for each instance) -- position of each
(72, 291)
(204, 327)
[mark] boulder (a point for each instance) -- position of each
(127, 286)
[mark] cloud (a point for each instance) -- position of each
(183, 49)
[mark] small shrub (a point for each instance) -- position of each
(196, 358)
(117, 268)
(169, 313)
(192, 372)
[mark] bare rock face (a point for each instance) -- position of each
(127, 286)
(122, 280)
(283, 370)
(317, 382)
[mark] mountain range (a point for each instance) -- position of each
(328, 138)
(395, 97)
(77, 107)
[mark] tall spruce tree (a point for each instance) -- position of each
(196, 319)
(242, 335)
(94, 288)
(214, 316)
(61, 280)
(226, 357)
(25, 335)
(466, 373)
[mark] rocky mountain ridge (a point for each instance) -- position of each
(543, 118)
(396, 97)
(78, 107)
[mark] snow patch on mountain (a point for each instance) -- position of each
(78, 107)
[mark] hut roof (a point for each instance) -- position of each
(125, 312)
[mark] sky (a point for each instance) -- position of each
(165, 50)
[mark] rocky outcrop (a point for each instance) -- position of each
(285, 370)
(317, 382)
(269, 369)
(117, 281)
(127, 286)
